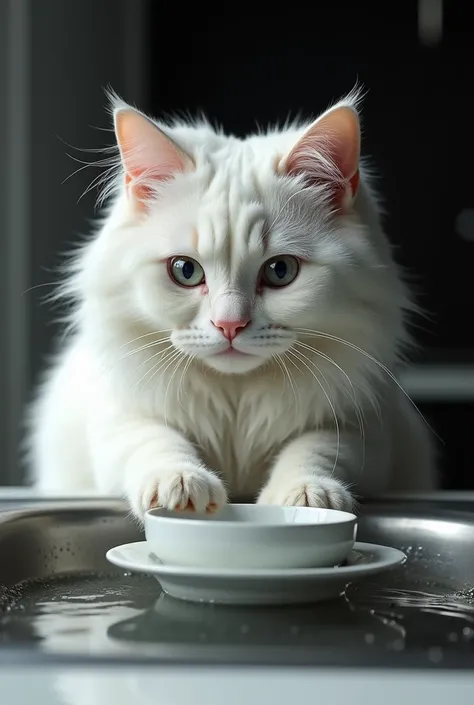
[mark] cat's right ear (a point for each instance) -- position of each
(148, 154)
(327, 155)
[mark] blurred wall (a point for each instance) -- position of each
(56, 57)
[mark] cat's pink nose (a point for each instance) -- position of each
(230, 329)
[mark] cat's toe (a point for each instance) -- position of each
(322, 492)
(191, 490)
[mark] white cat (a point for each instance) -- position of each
(237, 321)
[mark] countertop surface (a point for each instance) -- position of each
(148, 686)
(52, 684)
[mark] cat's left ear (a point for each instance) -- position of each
(328, 155)
(148, 154)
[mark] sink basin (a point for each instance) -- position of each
(61, 600)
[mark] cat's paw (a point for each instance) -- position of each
(313, 491)
(194, 489)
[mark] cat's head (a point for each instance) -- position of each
(236, 248)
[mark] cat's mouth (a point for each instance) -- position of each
(232, 352)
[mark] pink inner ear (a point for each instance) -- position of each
(328, 153)
(147, 153)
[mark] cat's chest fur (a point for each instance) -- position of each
(239, 426)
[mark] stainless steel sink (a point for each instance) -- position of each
(61, 600)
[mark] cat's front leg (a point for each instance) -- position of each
(306, 472)
(152, 465)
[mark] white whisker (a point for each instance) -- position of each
(38, 286)
(154, 344)
(353, 398)
(278, 360)
(164, 366)
(140, 349)
(336, 422)
(186, 368)
(329, 359)
(157, 366)
(157, 354)
(145, 335)
(285, 354)
(177, 366)
(353, 346)
(294, 389)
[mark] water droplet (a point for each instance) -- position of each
(452, 636)
(369, 638)
(468, 633)
(435, 654)
(398, 645)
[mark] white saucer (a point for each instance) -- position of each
(253, 586)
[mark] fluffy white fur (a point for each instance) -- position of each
(139, 402)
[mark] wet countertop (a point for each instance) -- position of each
(50, 683)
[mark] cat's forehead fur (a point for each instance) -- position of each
(237, 191)
(236, 202)
(202, 137)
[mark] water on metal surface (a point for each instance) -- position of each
(59, 596)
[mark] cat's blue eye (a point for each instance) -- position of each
(186, 271)
(280, 271)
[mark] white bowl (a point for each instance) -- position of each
(252, 536)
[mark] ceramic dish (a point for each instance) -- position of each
(252, 536)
